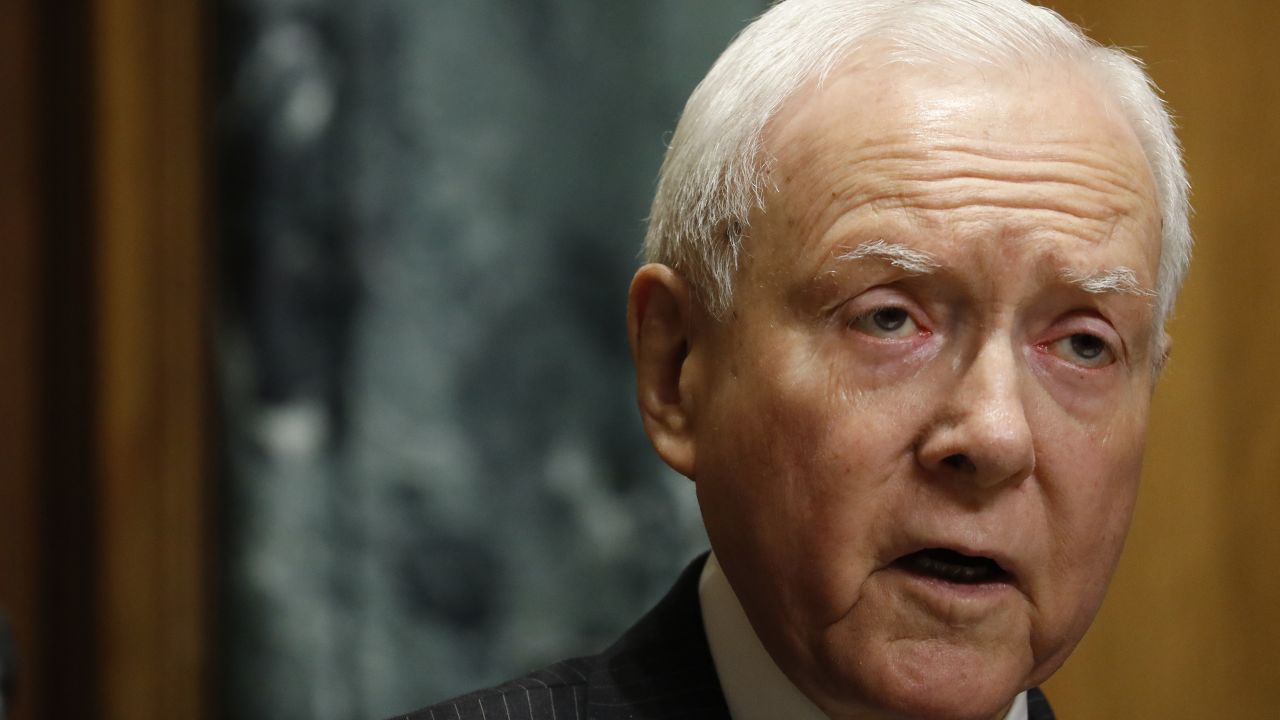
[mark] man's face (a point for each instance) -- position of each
(917, 437)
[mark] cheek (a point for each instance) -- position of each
(1089, 483)
(1088, 467)
(1091, 480)
(1101, 510)
(803, 470)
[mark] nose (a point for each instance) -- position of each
(980, 433)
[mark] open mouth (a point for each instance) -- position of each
(954, 567)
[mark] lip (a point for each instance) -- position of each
(1010, 564)
(955, 604)
(954, 589)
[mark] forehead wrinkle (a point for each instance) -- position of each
(1108, 165)
(1055, 180)
(947, 181)
(910, 179)
(1082, 163)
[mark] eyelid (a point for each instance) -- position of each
(1089, 324)
(1064, 348)
(865, 323)
(883, 297)
(879, 298)
(862, 308)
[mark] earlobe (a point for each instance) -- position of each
(659, 324)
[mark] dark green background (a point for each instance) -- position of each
(430, 210)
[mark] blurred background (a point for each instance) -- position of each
(313, 378)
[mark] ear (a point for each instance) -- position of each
(660, 319)
(1164, 352)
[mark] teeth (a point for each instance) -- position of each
(954, 567)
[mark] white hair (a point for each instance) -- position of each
(716, 168)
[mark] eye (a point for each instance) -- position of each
(1084, 349)
(885, 322)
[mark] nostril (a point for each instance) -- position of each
(960, 462)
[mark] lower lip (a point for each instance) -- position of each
(953, 592)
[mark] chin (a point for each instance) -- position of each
(940, 710)
(924, 683)
(967, 703)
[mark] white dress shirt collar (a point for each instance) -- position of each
(754, 688)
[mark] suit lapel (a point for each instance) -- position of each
(1038, 706)
(662, 667)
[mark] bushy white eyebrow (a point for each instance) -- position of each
(899, 256)
(1118, 279)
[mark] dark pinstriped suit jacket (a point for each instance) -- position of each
(661, 668)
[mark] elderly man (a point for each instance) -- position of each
(910, 265)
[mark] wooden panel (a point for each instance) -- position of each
(151, 302)
(47, 521)
(19, 370)
(1192, 624)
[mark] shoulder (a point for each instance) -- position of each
(556, 691)
(660, 668)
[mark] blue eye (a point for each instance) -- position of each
(885, 322)
(1084, 349)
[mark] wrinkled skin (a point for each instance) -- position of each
(848, 412)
